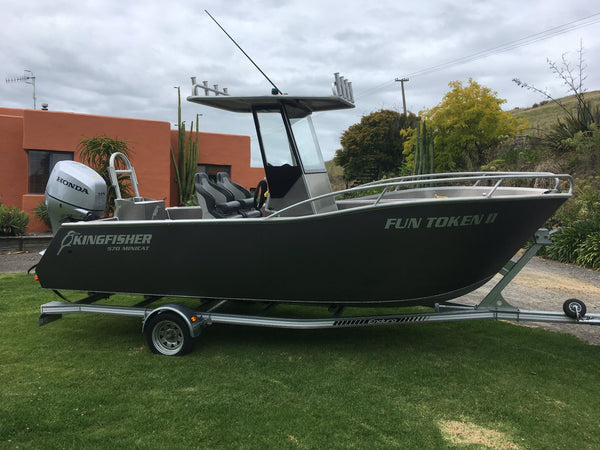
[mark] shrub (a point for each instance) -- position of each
(566, 245)
(585, 204)
(588, 252)
(41, 212)
(12, 220)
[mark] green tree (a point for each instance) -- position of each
(373, 147)
(467, 122)
(96, 152)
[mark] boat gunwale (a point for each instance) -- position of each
(385, 204)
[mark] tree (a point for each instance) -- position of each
(373, 147)
(467, 122)
(96, 152)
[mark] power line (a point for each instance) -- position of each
(531, 39)
(527, 40)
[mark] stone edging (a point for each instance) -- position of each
(34, 243)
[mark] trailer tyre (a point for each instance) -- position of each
(574, 308)
(168, 334)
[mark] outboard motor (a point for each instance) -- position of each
(74, 192)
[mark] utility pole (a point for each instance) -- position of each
(402, 80)
(27, 78)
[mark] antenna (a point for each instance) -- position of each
(28, 79)
(275, 89)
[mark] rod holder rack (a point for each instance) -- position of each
(342, 88)
(207, 89)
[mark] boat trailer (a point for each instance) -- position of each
(170, 328)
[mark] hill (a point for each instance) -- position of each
(542, 115)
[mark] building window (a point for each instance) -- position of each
(41, 163)
(212, 170)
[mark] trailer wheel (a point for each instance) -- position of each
(574, 308)
(169, 335)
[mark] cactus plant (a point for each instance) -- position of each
(423, 150)
(187, 161)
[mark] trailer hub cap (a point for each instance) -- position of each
(168, 337)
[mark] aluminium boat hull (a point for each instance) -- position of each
(407, 253)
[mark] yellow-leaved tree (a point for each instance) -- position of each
(468, 121)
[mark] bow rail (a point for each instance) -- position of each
(562, 184)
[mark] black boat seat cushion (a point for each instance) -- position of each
(239, 193)
(212, 200)
(215, 200)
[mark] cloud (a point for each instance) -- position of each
(123, 58)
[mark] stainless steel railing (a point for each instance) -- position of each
(469, 179)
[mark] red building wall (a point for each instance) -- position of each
(149, 141)
(13, 160)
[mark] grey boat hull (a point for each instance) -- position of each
(395, 253)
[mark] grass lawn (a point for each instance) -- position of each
(89, 381)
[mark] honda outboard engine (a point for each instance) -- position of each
(74, 192)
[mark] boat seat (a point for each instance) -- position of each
(213, 200)
(215, 203)
(238, 192)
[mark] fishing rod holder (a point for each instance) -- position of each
(342, 88)
(207, 88)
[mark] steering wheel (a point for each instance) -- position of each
(260, 194)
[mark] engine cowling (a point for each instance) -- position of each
(74, 192)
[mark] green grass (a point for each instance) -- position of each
(542, 117)
(90, 381)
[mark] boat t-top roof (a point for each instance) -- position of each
(246, 104)
(301, 106)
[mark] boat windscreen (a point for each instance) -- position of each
(281, 164)
(274, 138)
(308, 145)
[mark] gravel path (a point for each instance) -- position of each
(18, 262)
(545, 285)
(541, 285)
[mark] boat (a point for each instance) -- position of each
(415, 240)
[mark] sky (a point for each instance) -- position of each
(124, 58)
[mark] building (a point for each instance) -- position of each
(32, 141)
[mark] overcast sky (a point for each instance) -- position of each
(123, 58)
